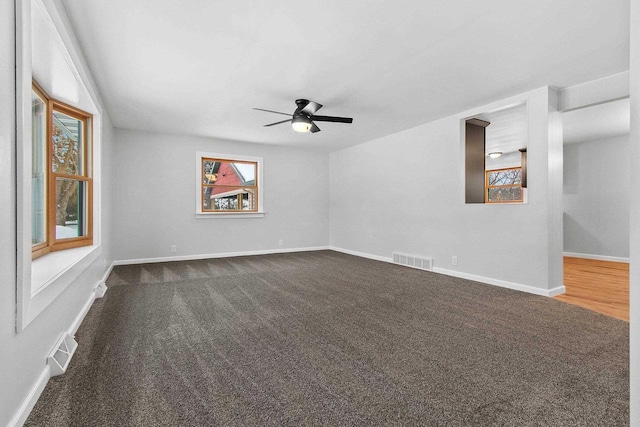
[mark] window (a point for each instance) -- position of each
(503, 185)
(228, 184)
(61, 208)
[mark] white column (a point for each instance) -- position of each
(634, 215)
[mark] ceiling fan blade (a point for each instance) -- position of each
(271, 111)
(311, 108)
(332, 119)
(314, 128)
(277, 123)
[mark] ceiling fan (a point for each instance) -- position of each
(303, 118)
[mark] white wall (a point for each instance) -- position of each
(596, 197)
(155, 201)
(23, 355)
(404, 192)
(9, 397)
(634, 156)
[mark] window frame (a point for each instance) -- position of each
(487, 187)
(256, 212)
(40, 249)
(52, 243)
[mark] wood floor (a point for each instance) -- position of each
(601, 286)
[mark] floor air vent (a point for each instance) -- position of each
(415, 261)
(61, 355)
(100, 290)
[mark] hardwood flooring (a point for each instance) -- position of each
(601, 286)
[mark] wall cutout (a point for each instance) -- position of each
(495, 156)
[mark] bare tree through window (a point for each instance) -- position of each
(504, 185)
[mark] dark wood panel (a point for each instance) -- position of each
(474, 162)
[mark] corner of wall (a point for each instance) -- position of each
(634, 154)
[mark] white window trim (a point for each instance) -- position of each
(39, 283)
(203, 214)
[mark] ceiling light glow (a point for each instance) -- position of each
(301, 124)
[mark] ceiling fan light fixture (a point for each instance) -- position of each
(495, 154)
(301, 124)
(304, 117)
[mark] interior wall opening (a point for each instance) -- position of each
(596, 192)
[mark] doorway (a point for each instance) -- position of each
(596, 196)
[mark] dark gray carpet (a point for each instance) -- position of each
(323, 338)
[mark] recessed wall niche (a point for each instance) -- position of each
(495, 156)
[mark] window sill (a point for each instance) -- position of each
(505, 203)
(229, 215)
(49, 276)
(56, 265)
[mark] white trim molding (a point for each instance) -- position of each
(32, 397)
(487, 280)
(30, 400)
(362, 254)
(596, 257)
(502, 283)
(218, 255)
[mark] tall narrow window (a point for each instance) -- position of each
(61, 176)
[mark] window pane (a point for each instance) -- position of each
(225, 203)
(505, 194)
(505, 177)
(222, 198)
(38, 170)
(217, 172)
(227, 199)
(67, 144)
(71, 198)
(249, 200)
(207, 204)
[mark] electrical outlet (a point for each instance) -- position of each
(280, 242)
(174, 249)
(454, 260)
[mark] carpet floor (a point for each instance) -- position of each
(324, 338)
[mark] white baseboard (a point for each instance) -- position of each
(488, 280)
(32, 397)
(361, 254)
(218, 255)
(502, 283)
(83, 312)
(106, 274)
(596, 257)
(29, 402)
(101, 288)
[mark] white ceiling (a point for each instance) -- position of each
(198, 67)
(508, 130)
